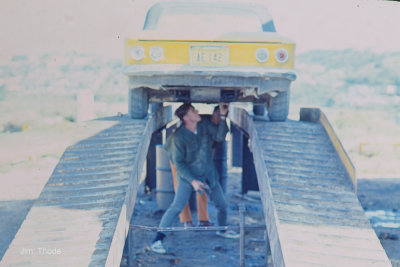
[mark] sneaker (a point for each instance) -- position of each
(228, 234)
(188, 224)
(205, 223)
(158, 247)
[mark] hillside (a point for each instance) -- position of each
(348, 78)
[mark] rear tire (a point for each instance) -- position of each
(138, 103)
(278, 108)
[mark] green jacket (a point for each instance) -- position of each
(191, 153)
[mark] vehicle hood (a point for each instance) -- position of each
(226, 37)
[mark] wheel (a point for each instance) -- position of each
(258, 110)
(138, 103)
(278, 108)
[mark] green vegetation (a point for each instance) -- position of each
(70, 118)
(348, 78)
(3, 92)
(359, 67)
(12, 128)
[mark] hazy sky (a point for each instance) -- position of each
(322, 24)
(98, 26)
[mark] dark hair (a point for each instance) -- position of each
(183, 110)
(216, 108)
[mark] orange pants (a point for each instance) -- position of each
(186, 215)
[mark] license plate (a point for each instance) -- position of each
(209, 55)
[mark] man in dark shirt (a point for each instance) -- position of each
(219, 150)
(191, 153)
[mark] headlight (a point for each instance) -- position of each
(137, 52)
(156, 53)
(262, 55)
(281, 55)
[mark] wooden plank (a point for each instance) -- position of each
(83, 213)
(316, 115)
(312, 213)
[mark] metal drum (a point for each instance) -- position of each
(164, 184)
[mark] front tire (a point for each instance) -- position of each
(138, 103)
(278, 108)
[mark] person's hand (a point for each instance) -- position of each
(223, 108)
(199, 186)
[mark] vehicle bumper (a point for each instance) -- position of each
(263, 80)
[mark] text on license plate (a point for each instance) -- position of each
(209, 55)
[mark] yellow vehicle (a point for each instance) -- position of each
(209, 51)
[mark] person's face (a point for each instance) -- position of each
(192, 115)
(215, 117)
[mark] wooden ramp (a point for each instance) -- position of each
(308, 185)
(82, 216)
(306, 180)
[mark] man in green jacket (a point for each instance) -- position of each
(190, 150)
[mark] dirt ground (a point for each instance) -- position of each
(203, 248)
(383, 195)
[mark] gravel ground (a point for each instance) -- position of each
(203, 248)
(383, 195)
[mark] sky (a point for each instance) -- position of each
(341, 24)
(99, 26)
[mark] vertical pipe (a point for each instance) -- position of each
(241, 218)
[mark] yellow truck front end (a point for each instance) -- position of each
(207, 51)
